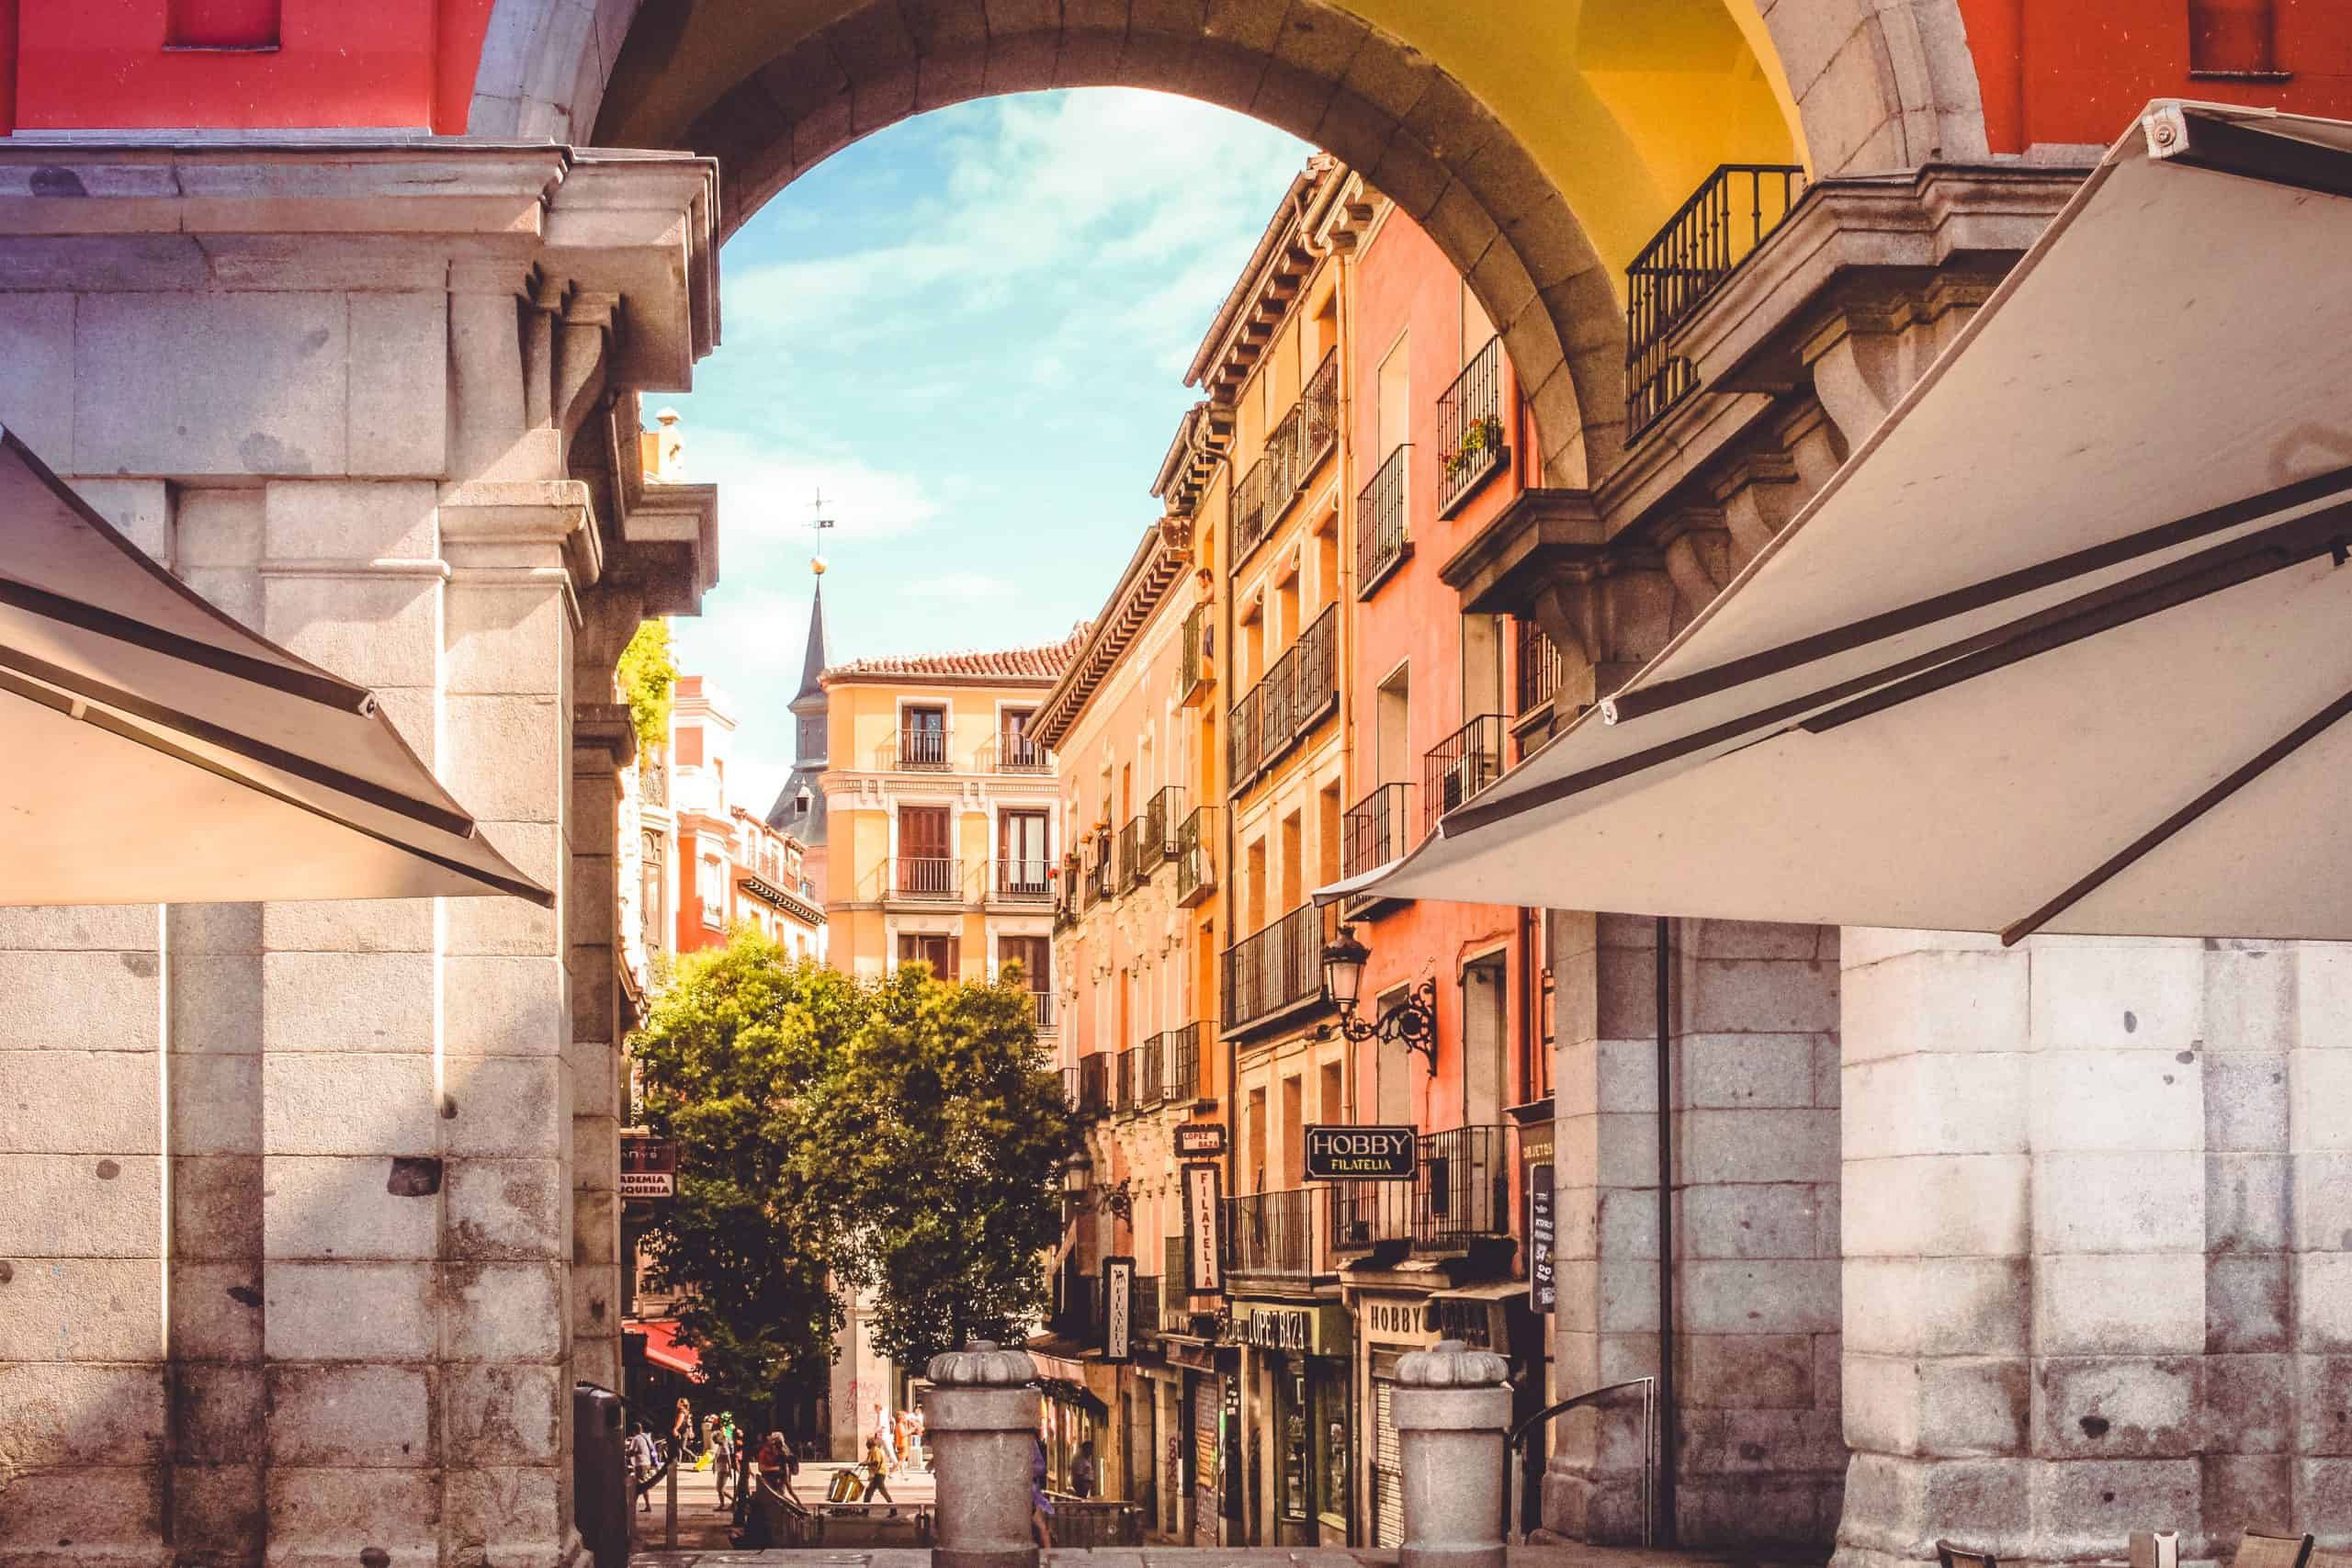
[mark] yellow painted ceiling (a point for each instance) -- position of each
(1626, 104)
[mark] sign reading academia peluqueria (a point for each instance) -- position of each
(1361, 1154)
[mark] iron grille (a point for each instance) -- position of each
(1380, 524)
(1724, 220)
(926, 876)
(1459, 766)
(1281, 966)
(1472, 439)
(1372, 832)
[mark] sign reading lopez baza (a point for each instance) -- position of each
(1361, 1154)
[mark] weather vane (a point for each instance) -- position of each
(820, 523)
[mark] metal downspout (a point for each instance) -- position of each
(1668, 1425)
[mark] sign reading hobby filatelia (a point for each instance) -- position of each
(1361, 1154)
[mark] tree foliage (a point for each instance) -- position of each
(903, 1137)
(647, 671)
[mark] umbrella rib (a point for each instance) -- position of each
(2273, 549)
(122, 729)
(2261, 763)
(443, 818)
(2334, 484)
(315, 686)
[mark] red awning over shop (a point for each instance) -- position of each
(661, 1347)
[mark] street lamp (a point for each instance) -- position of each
(1412, 1022)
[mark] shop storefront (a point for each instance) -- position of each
(1300, 1423)
(1389, 1324)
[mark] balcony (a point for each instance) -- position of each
(1094, 1087)
(1195, 859)
(1278, 970)
(1472, 436)
(1070, 1098)
(1537, 676)
(1143, 1311)
(1381, 542)
(1163, 814)
(1041, 1010)
(1463, 1191)
(1197, 672)
(1011, 754)
(1365, 1214)
(1298, 693)
(1123, 1083)
(916, 750)
(1296, 449)
(1459, 766)
(1184, 1068)
(1274, 1233)
(1726, 219)
(1249, 512)
(927, 877)
(1021, 881)
(1141, 1085)
(1372, 832)
(1130, 861)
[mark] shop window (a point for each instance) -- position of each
(221, 23)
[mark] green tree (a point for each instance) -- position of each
(939, 1142)
(647, 671)
(730, 1053)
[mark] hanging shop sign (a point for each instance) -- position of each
(1361, 1154)
(1200, 1140)
(1118, 1308)
(649, 1167)
(1542, 1290)
(1203, 1214)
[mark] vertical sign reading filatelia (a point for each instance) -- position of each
(1542, 1293)
(1203, 1208)
(1118, 1308)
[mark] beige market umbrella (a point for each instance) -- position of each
(154, 750)
(2065, 646)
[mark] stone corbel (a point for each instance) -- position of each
(539, 311)
(1859, 370)
(1758, 495)
(591, 321)
(1696, 545)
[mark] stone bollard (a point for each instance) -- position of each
(980, 1421)
(1452, 1411)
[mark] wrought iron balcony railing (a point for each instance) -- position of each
(1726, 219)
(1095, 1085)
(919, 749)
(1365, 1214)
(1319, 415)
(926, 876)
(1196, 857)
(1301, 688)
(1162, 815)
(1070, 1097)
(1372, 832)
(1011, 754)
(1279, 968)
(1041, 1010)
(1199, 667)
(1151, 1085)
(1184, 1065)
(1123, 1077)
(1130, 860)
(1465, 1188)
(1459, 766)
(1249, 510)
(1538, 673)
(1473, 438)
(1275, 1233)
(1021, 881)
(1381, 542)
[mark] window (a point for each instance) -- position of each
(1482, 664)
(1022, 860)
(922, 738)
(713, 890)
(653, 911)
(221, 23)
(1391, 711)
(2232, 37)
(925, 866)
(1035, 956)
(1485, 1036)
(1014, 748)
(928, 947)
(1395, 410)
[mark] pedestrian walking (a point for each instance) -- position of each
(878, 1465)
(1081, 1470)
(722, 1460)
(682, 1432)
(644, 1460)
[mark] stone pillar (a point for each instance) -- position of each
(981, 1420)
(2096, 1243)
(1452, 1410)
(303, 1273)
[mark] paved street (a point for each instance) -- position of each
(702, 1525)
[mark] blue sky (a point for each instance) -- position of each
(971, 330)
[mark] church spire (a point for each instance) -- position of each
(812, 662)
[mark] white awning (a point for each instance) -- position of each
(154, 750)
(2062, 646)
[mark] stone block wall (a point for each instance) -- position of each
(2096, 1230)
(1753, 1048)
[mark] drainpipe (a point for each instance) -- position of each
(1666, 1421)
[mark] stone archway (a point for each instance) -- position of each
(1435, 118)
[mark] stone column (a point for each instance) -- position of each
(980, 1421)
(2095, 1232)
(1452, 1410)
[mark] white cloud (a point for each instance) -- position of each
(957, 588)
(767, 490)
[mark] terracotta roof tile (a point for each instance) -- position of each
(1044, 662)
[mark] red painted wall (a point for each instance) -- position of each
(105, 64)
(2079, 70)
(1404, 285)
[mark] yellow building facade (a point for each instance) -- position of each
(940, 807)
